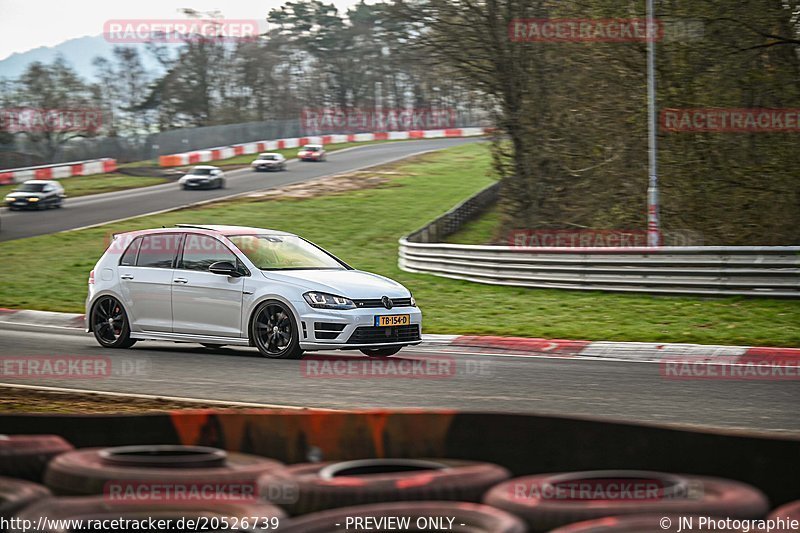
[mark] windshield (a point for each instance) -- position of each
(284, 252)
(311, 148)
(201, 172)
(269, 157)
(31, 187)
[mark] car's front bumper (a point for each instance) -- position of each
(23, 204)
(198, 184)
(275, 166)
(315, 338)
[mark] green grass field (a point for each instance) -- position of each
(363, 227)
(97, 183)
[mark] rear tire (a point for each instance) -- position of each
(273, 330)
(109, 323)
(381, 352)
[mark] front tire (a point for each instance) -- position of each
(273, 331)
(381, 352)
(110, 323)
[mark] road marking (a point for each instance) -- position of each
(160, 397)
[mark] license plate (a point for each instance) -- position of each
(393, 320)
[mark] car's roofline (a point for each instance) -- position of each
(226, 231)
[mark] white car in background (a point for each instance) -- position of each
(203, 177)
(232, 285)
(312, 152)
(269, 161)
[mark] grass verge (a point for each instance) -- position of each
(14, 400)
(97, 183)
(363, 227)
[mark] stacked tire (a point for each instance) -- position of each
(27, 456)
(550, 501)
(207, 487)
(311, 487)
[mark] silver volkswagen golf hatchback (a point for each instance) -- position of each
(232, 285)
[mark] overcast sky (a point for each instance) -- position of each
(28, 24)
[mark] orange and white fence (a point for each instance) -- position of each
(226, 152)
(58, 171)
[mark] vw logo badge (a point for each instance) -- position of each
(387, 302)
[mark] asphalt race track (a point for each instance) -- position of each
(622, 391)
(99, 208)
(617, 390)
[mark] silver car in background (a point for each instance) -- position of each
(269, 161)
(232, 285)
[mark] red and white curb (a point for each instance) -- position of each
(226, 152)
(58, 171)
(618, 351)
(520, 346)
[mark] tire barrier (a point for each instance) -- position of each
(18, 493)
(207, 516)
(548, 501)
(311, 487)
(458, 517)
(646, 524)
(26, 456)
(125, 468)
(790, 510)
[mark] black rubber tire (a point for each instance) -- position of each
(790, 510)
(320, 486)
(86, 471)
(124, 340)
(645, 523)
(709, 496)
(96, 507)
(292, 349)
(381, 352)
(26, 456)
(475, 517)
(18, 493)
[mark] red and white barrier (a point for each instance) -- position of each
(58, 171)
(226, 152)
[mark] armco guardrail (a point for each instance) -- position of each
(58, 171)
(772, 271)
(226, 152)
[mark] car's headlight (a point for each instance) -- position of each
(321, 300)
(413, 301)
(33, 199)
(9, 198)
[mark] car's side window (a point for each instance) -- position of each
(158, 250)
(129, 257)
(201, 251)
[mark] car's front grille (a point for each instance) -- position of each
(375, 303)
(327, 330)
(379, 335)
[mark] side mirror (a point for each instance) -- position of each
(224, 268)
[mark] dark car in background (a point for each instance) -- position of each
(203, 177)
(36, 194)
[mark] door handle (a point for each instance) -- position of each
(180, 280)
(126, 276)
